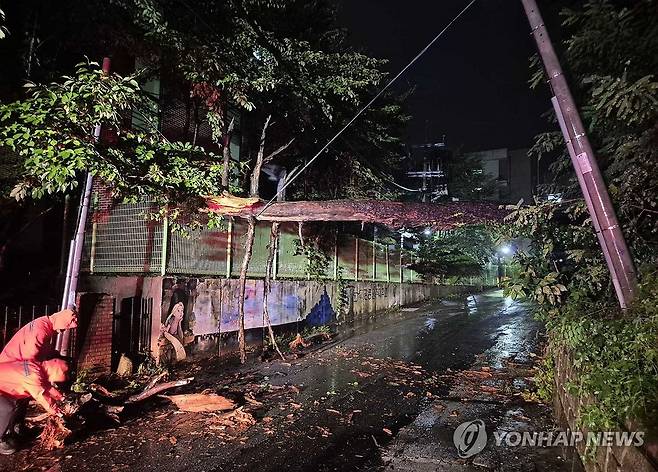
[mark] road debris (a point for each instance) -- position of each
(298, 343)
(200, 402)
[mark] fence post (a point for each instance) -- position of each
(401, 257)
(165, 242)
(336, 256)
(229, 244)
(374, 254)
(275, 261)
(356, 260)
(388, 267)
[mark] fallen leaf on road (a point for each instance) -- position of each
(251, 400)
(362, 375)
(439, 407)
(477, 373)
(388, 431)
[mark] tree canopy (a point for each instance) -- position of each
(611, 55)
(461, 252)
(283, 59)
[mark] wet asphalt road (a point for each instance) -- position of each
(359, 403)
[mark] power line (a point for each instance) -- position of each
(362, 110)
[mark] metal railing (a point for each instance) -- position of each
(14, 317)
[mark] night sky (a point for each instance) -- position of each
(472, 84)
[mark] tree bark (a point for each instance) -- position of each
(273, 247)
(151, 390)
(440, 216)
(226, 150)
(260, 159)
(251, 231)
(248, 249)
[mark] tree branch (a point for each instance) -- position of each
(255, 173)
(278, 151)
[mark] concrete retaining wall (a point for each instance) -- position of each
(199, 308)
(207, 301)
(567, 408)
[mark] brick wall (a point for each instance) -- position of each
(95, 332)
(567, 408)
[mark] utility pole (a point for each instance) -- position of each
(584, 162)
(75, 251)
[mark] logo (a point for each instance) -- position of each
(470, 438)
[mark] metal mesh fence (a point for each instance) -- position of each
(289, 264)
(202, 252)
(124, 240)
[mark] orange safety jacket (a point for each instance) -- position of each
(25, 379)
(34, 341)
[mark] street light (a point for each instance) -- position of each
(505, 250)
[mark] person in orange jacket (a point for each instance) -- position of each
(22, 380)
(35, 340)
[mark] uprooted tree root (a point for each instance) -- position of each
(104, 406)
(54, 433)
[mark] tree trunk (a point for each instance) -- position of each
(226, 149)
(273, 247)
(260, 157)
(440, 216)
(248, 249)
(251, 231)
(249, 242)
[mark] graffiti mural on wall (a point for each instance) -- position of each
(369, 293)
(322, 313)
(210, 306)
(200, 303)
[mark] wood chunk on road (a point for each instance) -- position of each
(201, 402)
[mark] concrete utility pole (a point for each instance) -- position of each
(590, 179)
(75, 251)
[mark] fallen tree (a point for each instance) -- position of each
(440, 216)
(96, 406)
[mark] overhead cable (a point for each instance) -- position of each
(362, 110)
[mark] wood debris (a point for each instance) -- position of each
(200, 402)
(298, 342)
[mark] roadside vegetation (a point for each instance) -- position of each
(611, 54)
